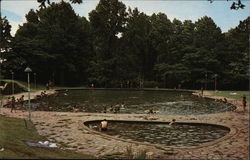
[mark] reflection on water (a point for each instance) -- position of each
(164, 102)
(177, 135)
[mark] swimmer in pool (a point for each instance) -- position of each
(104, 125)
(172, 123)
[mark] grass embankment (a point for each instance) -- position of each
(231, 94)
(24, 85)
(37, 87)
(13, 131)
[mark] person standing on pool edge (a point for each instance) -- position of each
(244, 103)
(104, 125)
(13, 104)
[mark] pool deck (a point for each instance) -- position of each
(67, 129)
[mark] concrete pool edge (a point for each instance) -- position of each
(132, 89)
(232, 131)
(234, 147)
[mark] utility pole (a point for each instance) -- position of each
(215, 82)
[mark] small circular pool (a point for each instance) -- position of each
(180, 134)
(136, 101)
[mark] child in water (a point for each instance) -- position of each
(172, 123)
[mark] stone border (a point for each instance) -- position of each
(130, 89)
(232, 146)
(231, 133)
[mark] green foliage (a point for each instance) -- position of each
(14, 131)
(106, 21)
(235, 5)
(54, 42)
(136, 46)
(124, 48)
(32, 17)
(43, 2)
(6, 37)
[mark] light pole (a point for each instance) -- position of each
(28, 70)
(35, 79)
(12, 78)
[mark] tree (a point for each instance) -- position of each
(140, 61)
(169, 63)
(235, 5)
(107, 21)
(58, 38)
(5, 42)
(43, 2)
(116, 46)
(202, 57)
(32, 17)
(237, 59)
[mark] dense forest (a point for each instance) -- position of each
(123, 47)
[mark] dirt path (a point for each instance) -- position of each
(67, 130)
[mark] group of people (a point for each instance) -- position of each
(244, 102)
(114, 109)
(42, 95)
(151, 111)
(224, 100)
(12, 102)
(104, 124)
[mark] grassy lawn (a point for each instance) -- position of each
(39, 86)
(231, 94)
(13, 131)
(24, 85)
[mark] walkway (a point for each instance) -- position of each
(68, 131)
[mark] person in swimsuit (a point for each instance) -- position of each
(104, 125)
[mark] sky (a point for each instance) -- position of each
(219, 10)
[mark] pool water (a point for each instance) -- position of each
(136, 101)
(162, 133)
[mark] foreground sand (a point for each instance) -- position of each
(67, 129)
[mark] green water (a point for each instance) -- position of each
(153, 133)
(163, 102)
